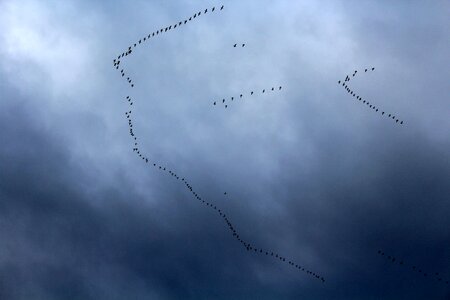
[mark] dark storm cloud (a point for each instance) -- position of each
(309, 172)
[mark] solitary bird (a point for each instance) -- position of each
(251, 93)
(373, 69)
(221, 7)
(225, 193)
(243, 45)
(235, 45)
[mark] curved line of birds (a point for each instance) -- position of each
(116, 62)
(222, 214)
(241, 96)
(412, 267)
(248, 246)
(161, 31)
(345, 85)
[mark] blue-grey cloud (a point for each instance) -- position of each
(309, 172)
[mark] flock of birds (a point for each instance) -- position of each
(248, 246)
(241, 96)
(117, 61)
(346, 86)
(413, 268)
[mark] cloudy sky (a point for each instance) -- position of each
(309, 171)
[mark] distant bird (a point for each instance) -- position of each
(263, 91)
(226, 106)
(251, 93)
(382, 113)
(365, 70)
(279, 88)
(232, 98)
(235, 45)
(240, 95)
(273, 89)
(225, 194)
(401, 122)
(221, 7)
(339, 82)
(214, 102)
(373, 69)
(223, 101)
(243, 45)
(206, 10)
(213, 8)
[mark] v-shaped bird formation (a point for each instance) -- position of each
(346, 86)
(241, 96)
(412, 268)
(248, 246)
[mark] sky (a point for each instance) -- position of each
(309, 171)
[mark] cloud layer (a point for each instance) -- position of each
(309, 171)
